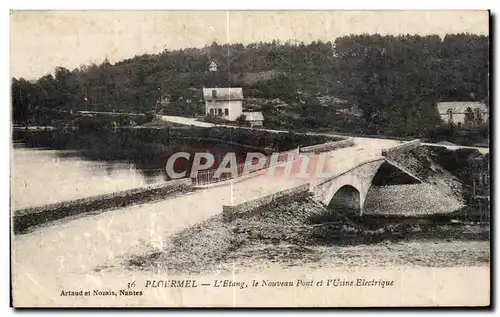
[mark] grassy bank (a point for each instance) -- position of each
(116, 139)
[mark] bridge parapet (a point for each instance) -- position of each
(205, 179)
(328, 146)
(229, 213)
(401, 148)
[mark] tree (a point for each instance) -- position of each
(469, 117)
(241, 120)
(394, 80)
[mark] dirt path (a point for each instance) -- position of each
(371, 141)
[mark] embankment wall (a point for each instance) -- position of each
(28, 217)
(229, 213)
(401, 148)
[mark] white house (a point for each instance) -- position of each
(212, 67)
(461, 112)
(226, 103)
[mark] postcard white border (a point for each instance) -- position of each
(151, 4)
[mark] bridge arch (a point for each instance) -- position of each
(349, 189)
(351, 185)
(346, 197)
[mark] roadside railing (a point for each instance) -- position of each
(213, 176)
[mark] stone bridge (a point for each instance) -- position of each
(349, 188)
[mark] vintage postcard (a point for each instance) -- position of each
(250, 158)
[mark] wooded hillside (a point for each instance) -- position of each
(394, 80)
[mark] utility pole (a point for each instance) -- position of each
(474, 191)
(480, 212)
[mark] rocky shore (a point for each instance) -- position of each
(303, 232)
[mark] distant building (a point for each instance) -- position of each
(161, 105)
(226, 103)
(256, 119)
(350, 110)
(212, 67)
(463, 112)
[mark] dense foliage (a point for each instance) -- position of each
(397, 80)
(394, 80)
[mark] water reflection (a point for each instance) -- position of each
(53, 166)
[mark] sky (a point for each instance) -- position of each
(42, 40)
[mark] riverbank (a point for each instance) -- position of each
(26, 219)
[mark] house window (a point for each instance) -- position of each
(214, 94)
(226, 112)
(219, 112)
(450, 115)
(211, 112)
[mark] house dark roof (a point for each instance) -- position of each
(222, 94)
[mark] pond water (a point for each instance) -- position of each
(49, 167)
